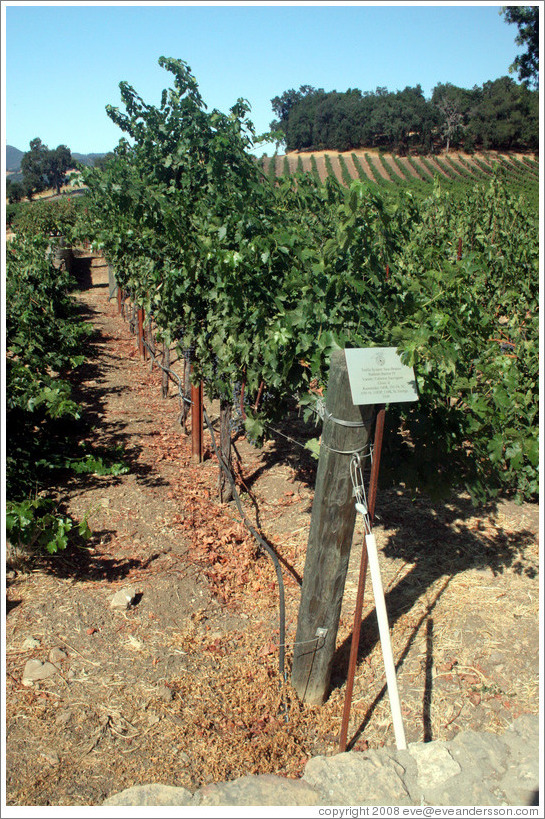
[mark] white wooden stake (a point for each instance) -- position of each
(384, 631)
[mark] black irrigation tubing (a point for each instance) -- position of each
(260, 541)
(263, 544)
(167, 370)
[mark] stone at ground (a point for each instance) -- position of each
(473, 769)
(356, 778)
(30, 643)
(123, 599)
(50, 756)
(36, 670)
(266, 789)
(155, 795)
(57, 655)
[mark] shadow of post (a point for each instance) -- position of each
(438, 543)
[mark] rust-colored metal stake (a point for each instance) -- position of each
(141, 348)
(196, 421)
(119, 294)
(373, 480)
(259, 394)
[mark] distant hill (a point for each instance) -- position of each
(87, 159)
(14, 156)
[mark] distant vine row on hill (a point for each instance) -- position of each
(458, 172)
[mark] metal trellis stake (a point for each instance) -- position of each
(196, 421)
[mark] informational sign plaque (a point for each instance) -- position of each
(377, 376)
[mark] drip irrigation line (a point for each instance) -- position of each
(169, 371)
(264, 545)
(260, 541)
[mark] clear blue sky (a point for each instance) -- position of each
(64, 63)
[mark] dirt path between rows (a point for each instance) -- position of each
(183, 687)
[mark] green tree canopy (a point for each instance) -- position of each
(527, 20)
(44, 168)
(499, 115)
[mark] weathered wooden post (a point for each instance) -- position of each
(225, 488)
(345, 430)
(166, 366)
(140, 332)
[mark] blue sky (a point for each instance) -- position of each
(64, 62)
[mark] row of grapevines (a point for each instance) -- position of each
(263, 279)
(43, 344)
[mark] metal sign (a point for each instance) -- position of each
(377, 376)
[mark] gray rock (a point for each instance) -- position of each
(30, 643)
(474, 769)
(165, 693)
(123, 599)
(265, 789)
(36, 670)
(56, 655)
(151, 795)
(471, 750)
(435, 764)
(50, 756)
(354, 778)
(63, 717)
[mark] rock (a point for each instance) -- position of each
(56, 655)
(435, 764)
(355, 778)
(482, 769)
(265, 789)
(152, 795)
(165, 693)
(30, 643)
(63, 717)
(123, 599)
(36, 670)
(50, 756)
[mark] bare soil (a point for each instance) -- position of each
(184, 687)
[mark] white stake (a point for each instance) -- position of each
(384, 631)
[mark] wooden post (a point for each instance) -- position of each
(196, 422)
(186, 390)
(151, 342)
(119, 299)
(225, 488)
(140, 332)
(330, 537)
(166, 364)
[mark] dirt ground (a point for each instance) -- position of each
(184, 687)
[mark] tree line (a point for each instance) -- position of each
(499, 115)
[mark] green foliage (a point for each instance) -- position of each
(14, 191)
(43, 344)
(263, 281)
(500, 115)
(527, 20)
(48, 218)
(43, 168)
(36, 524)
